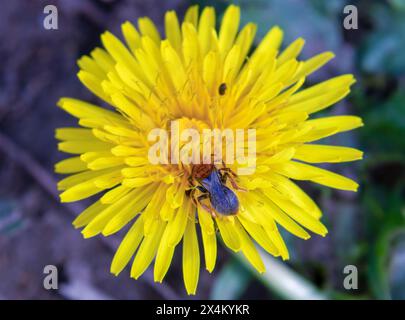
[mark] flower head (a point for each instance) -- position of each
(200, 79)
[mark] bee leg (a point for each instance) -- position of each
(235, 185)
(231, 177)
(198, 200)
(191, 182)
(204, 206)
(228, 171)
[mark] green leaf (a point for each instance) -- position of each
(397, 267)
(385, 126)
(231, 282)
(382, 50)
(10, 219)
(283, 281)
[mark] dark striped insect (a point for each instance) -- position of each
(212, 184)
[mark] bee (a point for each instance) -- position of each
(222, 89)
(211, 182)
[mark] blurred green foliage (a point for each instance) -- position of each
(370, 230)
(232, 281)
(389, 33)
(10, 219)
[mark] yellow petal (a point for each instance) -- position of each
(315, 153)
(271, 41)
(205, 220)
(271, 230)
(229, 29)
(151, 212)
(245, 40)
(82, 146)
(228, 233)
(96, 225)
(291, 191)
(147, 250)
(149, 60)
(114, 194)
(231, 65)
(93, 83)
(281, 156)
(210, 249)
(80, 191)
(191, 15)
(103, 59)
(191, 47)
(142, 120)
(88, 186)
(167, 212)
(77, 178)
(211, 71)
(180, 222)
(301, 171)
(275, 236)
(127, 247)
(172, 28)
(123, 151)
(303, 218)
(136, 161)
(133, 207)
(270, 212)
(118, 51)
(109, 181)
(175, 195)
(89, 65)
(136, 182)
(191, 258)
(91, 156)
(81, 109)
(73, 134)
(319, 102)
(123, 132)
(257, 232)
(284, 72)
(336, 83)
(174, 65)
(249, 249)
(131, 35)
(209, 238)
(311, 65)
(327, 126)
(163, 257)
(133, 172)
(70, 165)
(291, 52)
(148, 28)
(105, 162)
(88, 214)
(206, 24)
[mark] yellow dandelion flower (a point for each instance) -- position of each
(203, 79)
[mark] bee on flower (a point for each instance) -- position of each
(203, 79)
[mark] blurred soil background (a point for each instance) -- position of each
(366, 229)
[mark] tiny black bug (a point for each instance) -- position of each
(222, 89)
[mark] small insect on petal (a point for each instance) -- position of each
(222, 89)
